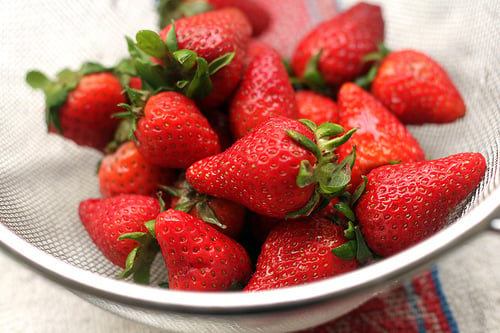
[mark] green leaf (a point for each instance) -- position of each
(330, 145)
(346, 251)
(201, 85)
(37, 80)
(327, 130)
(311, 125)
(92, 67)
(362, 251)
(140, 237)
(185, 205)
(55, 97)
(358, 192)
(312, 76)
(349, 233)
(338, 181)
(68, 78)
(129, 263)
(305, 142)
(171, 39)
(345, 210)
(207, 214)
(151, 43)
(186, 58)
(220, 62)
(151, 75)
(150, 225)
(305, 177)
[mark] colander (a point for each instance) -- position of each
(43, 177)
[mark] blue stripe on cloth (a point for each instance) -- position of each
(410, 293)
(442, 297)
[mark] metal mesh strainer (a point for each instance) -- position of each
(43, 178)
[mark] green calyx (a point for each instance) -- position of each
(330, 176)
(179, 70)
(312, 77)
(140, 259)
(189, 199)
(376, 58)
(355, 247)
(56, 91)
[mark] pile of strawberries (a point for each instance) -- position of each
(248, 171)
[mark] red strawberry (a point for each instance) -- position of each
(173, 133)
(212, 35)
(299, 251)
(126, 171)
(264, 92)
(197, 256)
(343, 42)
(80, 104)
(316, 107)
(107, 219)
(417, 89)
(269, 172)
(406, 203)
(257, 15)
(226, 216)
(381, 137)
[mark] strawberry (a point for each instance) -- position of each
(417, 89)
(197, 256)
(126, 171)
(172, 132)
(175, 9)
(264, 92)
(298, 252)
(332, 52)
(406, 203)
(212, 35)
(381, 138)
(278, 169)
(316, 107)
(107, 219)
(79, 104)
(226, 216)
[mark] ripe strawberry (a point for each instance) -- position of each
(80, 104)
(341, 43)
(173, 133)
(212, 35)
(417, 89)
(126, 171)
(272, 174)
(107, 219)
(381, 138)
(175, 9)
(316, 107)
(406, 203)
(299, 251)
(197, 256)
(226, 216)
(264, 92)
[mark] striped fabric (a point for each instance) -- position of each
(417, 306)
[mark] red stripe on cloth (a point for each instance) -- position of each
(430, 304)
(392, 312)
